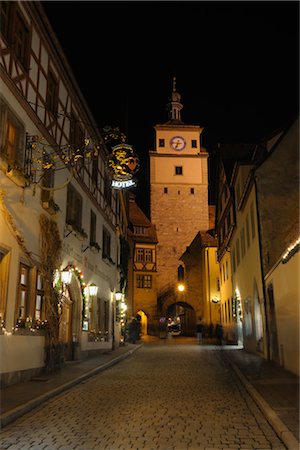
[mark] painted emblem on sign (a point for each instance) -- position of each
(123, 163)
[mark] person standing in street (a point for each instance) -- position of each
(199, 331)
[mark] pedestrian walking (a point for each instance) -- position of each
(134, 330)
(199, 330)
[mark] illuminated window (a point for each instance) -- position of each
(39, 313)
(144, 281)
(22, 303)
(4, 274)
(178, 170)
(12, 137)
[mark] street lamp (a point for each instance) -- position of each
(66, 276)
(93, 290)
(181, 287)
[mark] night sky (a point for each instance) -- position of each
(236, 64)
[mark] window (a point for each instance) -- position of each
(243, 244)
(180, 273)
(247, 231)
(233, 260)
(252, 221)
(6, 18)
(139, 254)
(15, 31)
(165, 190)
(106, 243)
(144, 281)
(22, 303)
(12, 137)
(4, 273)
(178, 170)
(194, 143)
(39, 313)
(161, 142)
(143, 254)
(21, 40)
(141, 230)
(95, 170)
(74, 207)
(93, 228)
(192, 191)
(52, 94)
(107, 189)
(238, 257)
(47, 182)
(148, 255)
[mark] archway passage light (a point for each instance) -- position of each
(181, 287)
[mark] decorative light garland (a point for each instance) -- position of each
(83, 286)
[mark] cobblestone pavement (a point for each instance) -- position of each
(166, 397)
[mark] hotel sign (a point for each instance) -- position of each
(123, 163)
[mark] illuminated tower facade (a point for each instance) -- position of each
(178, 192)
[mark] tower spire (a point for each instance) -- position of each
(174, 106)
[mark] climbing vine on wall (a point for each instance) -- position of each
(51, 246)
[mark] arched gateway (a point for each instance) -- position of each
(186, 315)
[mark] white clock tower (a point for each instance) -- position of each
(178, 191)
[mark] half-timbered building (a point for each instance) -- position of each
(60, 221)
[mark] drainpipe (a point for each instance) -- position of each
(262, 271)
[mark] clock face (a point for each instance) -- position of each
(177, 143)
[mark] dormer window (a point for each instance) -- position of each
(141, 230)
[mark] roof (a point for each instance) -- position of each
(202, 240)
(137, 218)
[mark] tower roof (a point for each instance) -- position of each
(174, 106)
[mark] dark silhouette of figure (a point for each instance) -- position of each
(134, 330)
(199, 330)
(219, 333)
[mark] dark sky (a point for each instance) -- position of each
(236, 64)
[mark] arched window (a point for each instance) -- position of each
(180, 273)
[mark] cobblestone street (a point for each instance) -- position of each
(163, 397)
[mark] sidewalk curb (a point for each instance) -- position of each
(12, 415)
(279, 427)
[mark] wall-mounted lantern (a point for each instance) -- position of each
(66, 277)
(93, 290)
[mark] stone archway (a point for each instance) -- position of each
(187, 316)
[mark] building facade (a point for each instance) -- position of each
(178, 195)
(60, 221)
(142, 294)
(257, 223)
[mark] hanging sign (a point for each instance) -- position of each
(123, 163)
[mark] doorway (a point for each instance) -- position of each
(143, 323)
(65, 326)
